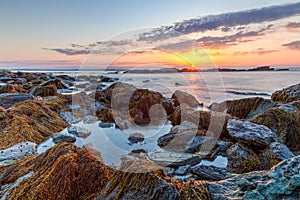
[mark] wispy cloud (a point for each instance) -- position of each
(259, 51)
(293, 25)
(224, 21)
(293, 45)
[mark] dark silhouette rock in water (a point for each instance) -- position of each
(288, 94)
(63, 172)
(29, 121)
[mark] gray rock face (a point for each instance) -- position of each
(90, 119)
(281, 182)
(63, 137)
(287, 95)
(289, 107)
(18, 151)
(9, 99)
(69, 117)
(251, 133)
(79, 131)
(183, 97)
(210, 173)
(280, 151)
(167, 158)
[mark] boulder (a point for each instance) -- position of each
(241, 159)
(62, 172)
(105, 115)
(29, 121)
(285, 124)
(69, 117)
(139, 179)
(168, 158)
(243, 108)
(210, 173)
(56, 82)
(79, 131)
(105, 125)
(10, 88)
(136, 138)
(18, 151)
(44, 91)
(90, 119)
(280, 151)
(281, 182)
(63, 137)
(288, 94)
(180, 97)
(250, 133)
(9, 99)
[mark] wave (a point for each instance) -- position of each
(248, 93)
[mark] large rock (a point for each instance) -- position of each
(241, 159)
(280, 151)
(244, 108)
(286, 95)
(18, 151)
(281, 182)
(183, 97)
(44, 91)
(29, 121)
(285, 124)
(9, 99)
(79, 131)
(250, 133)
(168, 158)
(10, 88)
(139, 179)
(63, 172)
(210, 173)
(56, 82)
(212, 122)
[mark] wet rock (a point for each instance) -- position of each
(139, 179)
(2, 113)
(29, 121)
(251, 133)
(280, 151)
(79, 131)
(107, 79)
(212, 122)
(18, 151)
(63, 172)
(105, 125)
(9, 99)
(136, 138)
(168, 158)
(281, 182)
(210, 173)
(285, 124)
(243, 108)
(44, 91)
(69, 117)
(182, 170)
(288, 94)
(289, 107)
(56, 82)
(10, 88)
(183, 97)
(201, 143)
(63, 137)
(241, 159)
(105, 115)
(90, 119)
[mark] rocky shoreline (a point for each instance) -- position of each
(258, 140)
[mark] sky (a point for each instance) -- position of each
(132, 33)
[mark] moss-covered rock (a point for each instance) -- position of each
(285, 124)
(244, 108)
(44, 91)
(288, 94)
(62, 172)
(29, 121)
